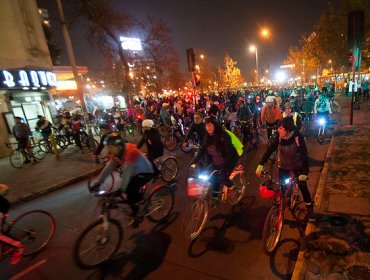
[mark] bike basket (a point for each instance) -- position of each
(198, 188)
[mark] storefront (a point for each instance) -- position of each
(24, 93)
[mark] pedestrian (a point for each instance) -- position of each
(21, 132)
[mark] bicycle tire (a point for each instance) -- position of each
(106, 186)
(273, 223)
(157, 200)
(321, 134)
(170, 142)
(162, 131)
(97, 242)
(169, 169)
(16, 159)
(195, 218)
(29, 229)
(238, 191)
(44, 146)
(38, 153)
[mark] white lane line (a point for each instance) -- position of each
(28, 269)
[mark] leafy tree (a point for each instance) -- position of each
(230, 76)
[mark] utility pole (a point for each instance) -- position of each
(72, 61)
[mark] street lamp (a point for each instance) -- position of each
(331, 65)
(254, 49)
(202, 56)
(265, 33)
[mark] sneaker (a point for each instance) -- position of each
(27, 161)
(17, 255)
(310, 213)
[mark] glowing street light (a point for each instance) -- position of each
(265, 33)
(253, 48)
(202, 56)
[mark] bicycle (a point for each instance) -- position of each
(322, 130)
(33, 229)
(285, 194)
(171, 140)
(201, 199)
(99, 241)
(18, 156)
(193, 140)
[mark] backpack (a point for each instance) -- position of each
(236, 142)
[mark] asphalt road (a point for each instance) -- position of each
(228, 248)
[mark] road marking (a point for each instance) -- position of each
(28, 269)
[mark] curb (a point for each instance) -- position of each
(53, 188)
(299, 269)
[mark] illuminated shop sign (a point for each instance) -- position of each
(27, 79)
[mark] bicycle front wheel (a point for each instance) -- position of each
(97, 243)
(34, 229)
(169, 169)
(236, 194)
(160, 204)
(170, 142)
(195, 218)
(16, 159)
(38, 153)
(272, 229)
(321, 134)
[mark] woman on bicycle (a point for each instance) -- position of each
(221, 153)
(154, 145)
(136, 172)
(292, 156)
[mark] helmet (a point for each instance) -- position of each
(264, 192)
(114, 140)
(104, 126)
(148, 123)
(221, 106)
(270, 99)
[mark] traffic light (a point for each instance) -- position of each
(350, 58)
(196, 79)
(191, 59)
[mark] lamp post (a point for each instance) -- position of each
(254, 49)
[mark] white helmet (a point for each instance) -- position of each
(270, 99)
(148, 123)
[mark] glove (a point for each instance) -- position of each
(94, 187)
(302, 177)
(259, 170)
(193, 165)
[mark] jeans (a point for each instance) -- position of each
(133, 187)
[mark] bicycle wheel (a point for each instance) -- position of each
(162, 131)
(195, 218)
(321, 134)
(34, 229)
(97, 243)
(38, 153)
(272, 229)
(188, 148)
(44, 146)
(169, 169)
(106, 186)
(293, 197)
(160, 203)
(238, 191)
(16, 159)
(170, 142)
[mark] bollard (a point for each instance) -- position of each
(54, 147)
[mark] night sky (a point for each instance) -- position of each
(214, 26)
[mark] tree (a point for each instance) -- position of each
(230, 76)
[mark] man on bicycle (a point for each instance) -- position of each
(105, 132)
(270, 115)
(136, 172)
(21, 132)
(292, 156)
(244, 115)
(197, 127)
(322, 107)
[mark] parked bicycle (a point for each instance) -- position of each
(99, 241)
(198, 187)
(19, 157)
(284, 193)
(33, 229)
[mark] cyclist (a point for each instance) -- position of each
(224, 116)
(292, 156)
(154, 145)
(21, 132)
(307, 107)
(217, 146)
(105, 132)
(244, 115)
(270, 115)
(44, 126)
(296, 117)
(197, 127)
(322, 107)
(136, 172)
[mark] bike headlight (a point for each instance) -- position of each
(259, 109)
(286, 181)
(101, 192)
(321, 121)
(203, 177)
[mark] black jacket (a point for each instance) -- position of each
(153, 142)
(199, 129)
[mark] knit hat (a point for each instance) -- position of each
(288, 124)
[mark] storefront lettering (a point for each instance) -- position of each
(12, 79)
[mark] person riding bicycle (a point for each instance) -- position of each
(136, 172)
(44, 126)
(296, 117)
(218, 147)
(292, 156)
(244, 115)
(307, 107)
(224, 116)
(21, 132)
(270, 115)
(322, 107)
(154, 145)
(197, 127)
(105, 132)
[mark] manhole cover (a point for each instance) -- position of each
(338, 187)
(358, 272)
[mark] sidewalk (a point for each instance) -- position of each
(337, 245)
(32, 181)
